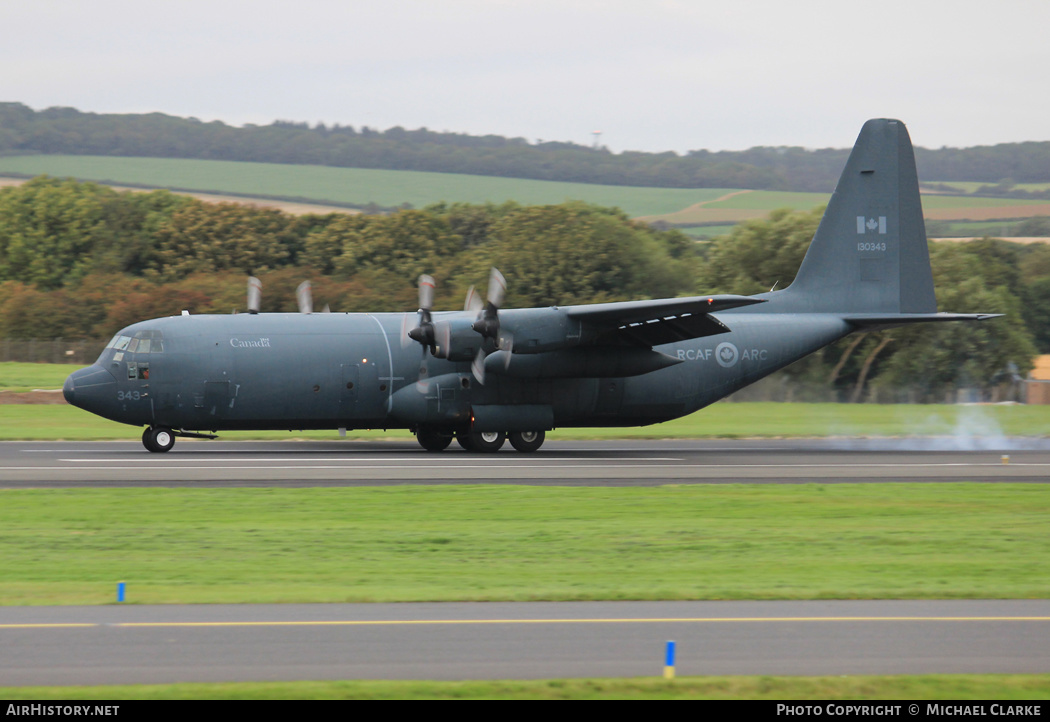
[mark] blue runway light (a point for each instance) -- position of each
(120, 591)
(669, 662)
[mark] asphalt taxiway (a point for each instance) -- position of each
(449, 641)
(350, 463)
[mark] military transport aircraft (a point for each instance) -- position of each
(487, 374)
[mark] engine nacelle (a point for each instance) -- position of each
(580, 362)
(455, 340)
(542, 330)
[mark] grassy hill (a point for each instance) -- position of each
(321, 184)
(350, 185)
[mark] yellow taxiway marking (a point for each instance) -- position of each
(599, 620)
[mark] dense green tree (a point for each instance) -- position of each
(29, 312)
(576, 253)
(322, 246)
(1038, 226)
(49, 229)
(79, 260)
(759, 254)
(225, 236)
(934, 359)
(405, 245)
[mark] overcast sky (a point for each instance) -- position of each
(651, 75)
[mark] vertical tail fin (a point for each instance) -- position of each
(869, 254)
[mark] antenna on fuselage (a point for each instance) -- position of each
(254, 294)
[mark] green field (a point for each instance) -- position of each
(16, 376)
(972, 186)
(723, 420)
(769, 200)
(349, 185)
(525, 543)
(936, 202)
(981, 229)
(705, 233)
(322, 184)
(930, 686)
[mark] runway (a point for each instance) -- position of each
(450, 641)
(608, 463)
(158, 644)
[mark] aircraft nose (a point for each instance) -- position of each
(89, 387)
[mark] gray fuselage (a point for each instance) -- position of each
(326, 371)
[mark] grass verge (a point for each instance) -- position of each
(896, 687)
(723, 420)
(16, 376)
(517, 543)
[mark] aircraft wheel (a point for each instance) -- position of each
(158, 440)
(482, 441)
(527, 441)
(433, 440)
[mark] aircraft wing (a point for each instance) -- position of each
(660, 321)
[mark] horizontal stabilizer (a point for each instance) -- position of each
(871, 321)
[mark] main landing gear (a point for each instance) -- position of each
(483, 442)
(158, 439)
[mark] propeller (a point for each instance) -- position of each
(304, 296)
(423, 333)
(487, 323)
(254, 294)
(473, 302)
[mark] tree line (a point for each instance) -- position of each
(69, 131)
(79, 260)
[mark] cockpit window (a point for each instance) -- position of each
(147, 341)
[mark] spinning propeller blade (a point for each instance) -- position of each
(424, 332)
(304, 296)
(254, 294)
(488, 324)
